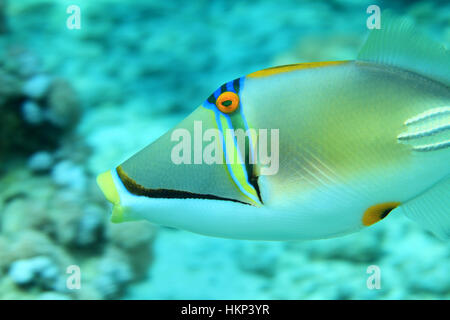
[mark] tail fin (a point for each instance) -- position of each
(398, 44)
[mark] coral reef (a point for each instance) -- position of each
(52, 215)
(3, 23)
(38, 110)
(48, 224)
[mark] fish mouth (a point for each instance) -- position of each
(139, 190)
(106, 183)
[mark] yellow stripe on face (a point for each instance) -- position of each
(378, 212)
(292, 67)
(236, 166)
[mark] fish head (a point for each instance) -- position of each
(200, 169)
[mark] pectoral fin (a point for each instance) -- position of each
(432, 209)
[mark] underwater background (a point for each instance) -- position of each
(77, 102)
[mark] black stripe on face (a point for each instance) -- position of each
(236, 84)
(211, 99)
(138, 190)
(223, 88)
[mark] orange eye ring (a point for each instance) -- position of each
(227, 102)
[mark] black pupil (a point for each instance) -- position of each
(227, 103)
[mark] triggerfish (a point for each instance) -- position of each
(329, 148)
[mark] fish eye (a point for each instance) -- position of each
(227, 102)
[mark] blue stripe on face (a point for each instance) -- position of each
(230, 87)
(217, 93)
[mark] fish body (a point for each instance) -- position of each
(352, 141)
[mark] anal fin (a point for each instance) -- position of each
(431, 209)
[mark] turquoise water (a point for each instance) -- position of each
(76, 102)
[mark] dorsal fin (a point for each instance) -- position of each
(399, 44)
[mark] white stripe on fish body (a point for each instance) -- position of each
(429, 131)
(429, 114)
(433, 146)
(424, 133)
